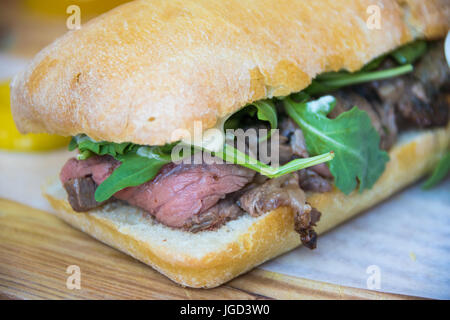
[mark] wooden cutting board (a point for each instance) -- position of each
(36, 248)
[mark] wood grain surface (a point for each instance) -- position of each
(36, 248)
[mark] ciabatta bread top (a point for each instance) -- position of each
(147, 68)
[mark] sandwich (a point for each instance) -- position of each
(353, 108)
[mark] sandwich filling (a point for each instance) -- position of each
(199, 197)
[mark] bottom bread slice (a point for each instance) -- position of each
(210, 258)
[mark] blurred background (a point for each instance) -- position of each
(27, 26)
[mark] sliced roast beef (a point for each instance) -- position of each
(179, 192)
(290, 130)
(97, 167)
(304, 224)
(292, 145)
(80, 193)
(284, 150)
(322, 170)
(282, 192)
(420, 110)
(310, 180)
(419, 99)
(274, 193)
(287, 127)
(213, 218)
(382, 118)
(432, 70)
(413, 104)
(176, 194)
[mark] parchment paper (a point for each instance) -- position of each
(400, 246)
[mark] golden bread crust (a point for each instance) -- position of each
(150, 67)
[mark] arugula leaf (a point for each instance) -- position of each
(267, 112)
(409, 53)
(138, 164)
(73, 144)
(264, 110)
(88, 146)
(351, 136)
(405, 56)
(134, 171)
(374, 64)
(439, 173)
(333, 81)
(233, 155)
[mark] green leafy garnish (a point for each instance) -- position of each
(405, 56)
(351, 136)
(88, 146)
(134, 171)
(233, 155)
(333, 81)
(439, 173)
(375, 63)
(139, 164)
(410, 53)
(264, 110)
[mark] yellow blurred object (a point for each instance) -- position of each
(12, 139)
(58, 7)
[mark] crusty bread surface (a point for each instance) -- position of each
(210, 258)
(146, 71)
